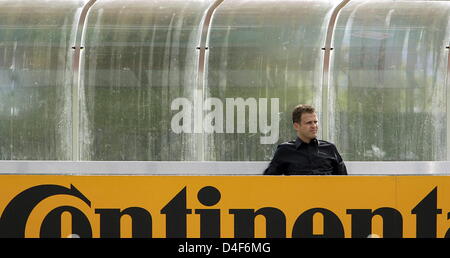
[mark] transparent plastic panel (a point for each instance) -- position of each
(36, 78)
(388, 95)
(264, 58)
(139, 74)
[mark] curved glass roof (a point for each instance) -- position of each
(205, 80)
(36, 39)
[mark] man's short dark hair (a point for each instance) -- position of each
(299, 110)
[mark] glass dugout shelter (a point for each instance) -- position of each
(208, 86)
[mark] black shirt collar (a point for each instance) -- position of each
(299, 142)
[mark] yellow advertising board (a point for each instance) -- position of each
(35, 206)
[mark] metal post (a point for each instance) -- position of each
(326, 70)
(76, 81)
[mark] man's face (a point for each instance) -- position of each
(308, 127)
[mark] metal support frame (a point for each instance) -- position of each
(326, 69)
(199, 92)
(76, 80)
(447, 104)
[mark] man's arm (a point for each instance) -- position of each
(340, 168)
(276, 166)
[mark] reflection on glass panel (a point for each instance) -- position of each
(388, 80)
(36, 78)
(264, 58)
(140, 67)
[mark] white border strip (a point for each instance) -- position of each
(207, 167)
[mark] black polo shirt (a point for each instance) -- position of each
(299, 158)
